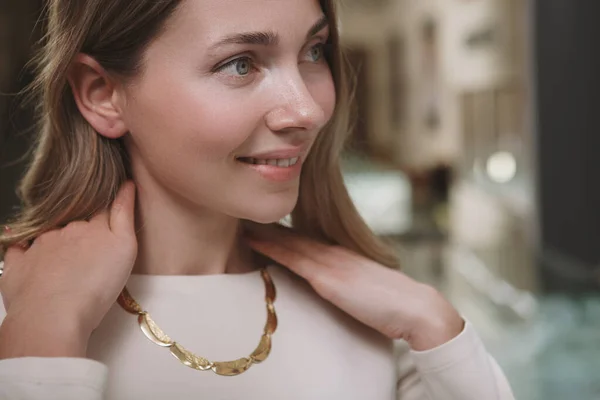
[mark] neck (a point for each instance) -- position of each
(178, 238)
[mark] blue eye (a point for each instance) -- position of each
(240, 66)
(316, 52)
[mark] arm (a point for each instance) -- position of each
(38, 378)
(44, 360)
(460, 369)
(449, 359)
(55, 294)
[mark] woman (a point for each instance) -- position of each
(220, 111)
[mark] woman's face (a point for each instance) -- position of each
(232, 97)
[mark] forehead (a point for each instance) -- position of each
(208, 20)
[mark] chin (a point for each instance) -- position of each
(271, 211)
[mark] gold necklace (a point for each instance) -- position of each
(186, 357)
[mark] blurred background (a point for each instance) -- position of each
(474, 153)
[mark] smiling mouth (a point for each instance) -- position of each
(276, 162)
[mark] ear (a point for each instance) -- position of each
(97, 96)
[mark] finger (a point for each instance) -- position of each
(298, 263)
(13, 255)
(102, 218)
(122, 215)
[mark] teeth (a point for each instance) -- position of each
(282, 162)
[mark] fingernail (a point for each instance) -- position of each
(7, 229)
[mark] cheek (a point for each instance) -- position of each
(179, 118)
(323, 92)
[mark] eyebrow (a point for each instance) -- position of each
(268, 38)
(321, 24)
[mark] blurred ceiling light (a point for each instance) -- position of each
(501, 167)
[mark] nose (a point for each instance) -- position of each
(295, 107)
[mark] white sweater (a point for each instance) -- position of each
(318, 353)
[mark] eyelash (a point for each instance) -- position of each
(252, 66)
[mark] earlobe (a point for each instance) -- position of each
(95, 95)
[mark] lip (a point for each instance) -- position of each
(290, 152)
(272, 172)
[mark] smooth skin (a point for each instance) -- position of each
(197, 106)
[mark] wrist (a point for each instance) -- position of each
(438, 325)
(42, 334)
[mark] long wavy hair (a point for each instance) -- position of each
(75, 172)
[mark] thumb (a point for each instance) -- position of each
(122, 212)
(14, 254)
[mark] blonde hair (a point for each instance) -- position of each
(76, 172)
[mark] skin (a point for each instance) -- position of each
(185, 119)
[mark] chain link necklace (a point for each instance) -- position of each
(226, 368)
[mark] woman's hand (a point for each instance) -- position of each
(57, 291)
(382, 298)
